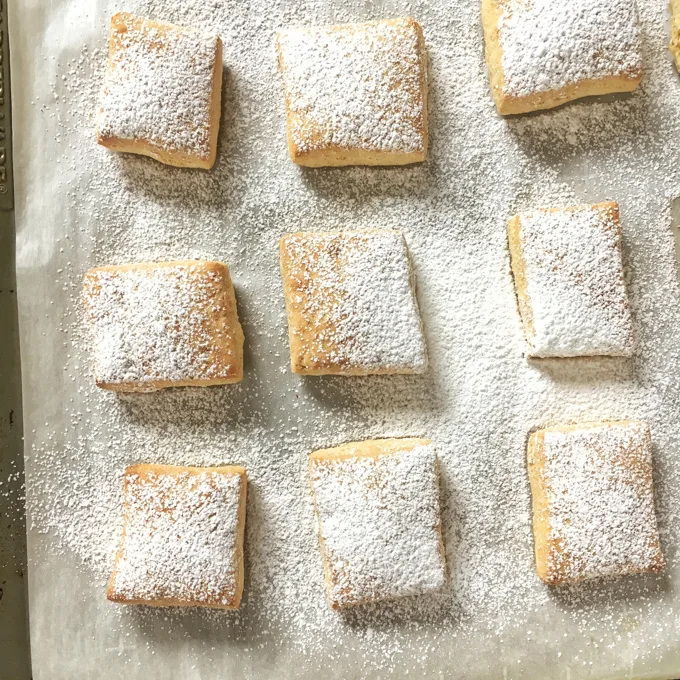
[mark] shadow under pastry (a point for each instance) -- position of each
(380, 393)
(581, 127)
(361, 184)
(193, 406)
(586, 370)
(592, 595)
(431, 609)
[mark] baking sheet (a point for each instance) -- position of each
(13, 605)
(80, 206)
(14, 647)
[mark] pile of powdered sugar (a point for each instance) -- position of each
(477, 401)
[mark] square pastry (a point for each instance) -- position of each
(355, 94)
(351, 302)
(568, 274)
(377, 510)
(162, 92)
(182, 542)
(164, 324)
(593, 501)
(675, 32)
(543, 53)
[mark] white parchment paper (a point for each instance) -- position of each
(79, 206)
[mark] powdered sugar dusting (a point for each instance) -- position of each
(159, 85)
(548, 45)
(379, 523)
(575, 283)
(181, 538)
(600, 498)
(352, 304)
(355, 87)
